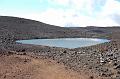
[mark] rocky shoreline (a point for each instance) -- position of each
(102, 59)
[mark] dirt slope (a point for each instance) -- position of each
(26, 67)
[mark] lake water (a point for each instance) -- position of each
(65, 42)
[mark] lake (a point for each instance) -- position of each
(65, 42)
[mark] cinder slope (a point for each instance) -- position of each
(26, 67)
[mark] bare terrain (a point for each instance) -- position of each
(27, 67)
(21, 61)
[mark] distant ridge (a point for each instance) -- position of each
(20, 28)
(15, 28)
(17, 19)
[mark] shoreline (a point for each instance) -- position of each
(102, 59)
(85, 58)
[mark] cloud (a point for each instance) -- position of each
(82, 13)
(116, 18)
(111, 11)
(74, 12)
(65, 2)
(111, 7)
(54, 17)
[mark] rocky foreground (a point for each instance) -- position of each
(14, 66)
(101, 61)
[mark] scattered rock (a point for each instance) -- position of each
(118, 67)
(64, 51)
(91, 77)
(10, 52)
(24, 53)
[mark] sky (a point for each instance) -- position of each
(65, 13)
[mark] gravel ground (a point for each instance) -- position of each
(102, 59)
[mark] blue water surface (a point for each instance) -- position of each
(65, 42)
